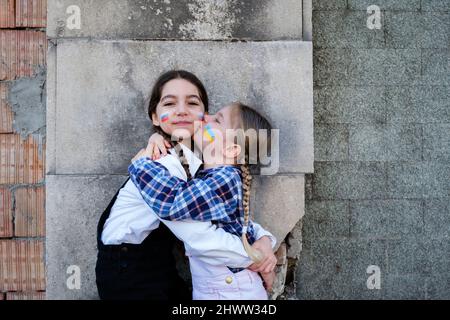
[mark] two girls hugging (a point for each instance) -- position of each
(205, 204)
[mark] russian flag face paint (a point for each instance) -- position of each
(201, 116)
(164, 117)
(208, 133)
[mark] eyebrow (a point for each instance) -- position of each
(171, 96)
(168, 97)
(219, 114)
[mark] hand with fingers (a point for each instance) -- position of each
(156, 146)
(159, 145)
(268, 279)
(269, 261)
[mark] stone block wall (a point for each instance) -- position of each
(380, 191)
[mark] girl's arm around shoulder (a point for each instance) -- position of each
(211, 198)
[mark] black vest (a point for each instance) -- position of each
(139, 271)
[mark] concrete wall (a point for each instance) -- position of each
(380, 191)
(99, 76)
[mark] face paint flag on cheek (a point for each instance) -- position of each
(201, 116)
(164, 117)
(208, 133)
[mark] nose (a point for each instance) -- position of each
(181, 108)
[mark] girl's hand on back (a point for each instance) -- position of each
(158, 145)
(268, 279)
(142, 153)
(156, 142)
(270, 260)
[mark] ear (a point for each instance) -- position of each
(155, 119)
(232, 151)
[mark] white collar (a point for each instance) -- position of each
(193, 161)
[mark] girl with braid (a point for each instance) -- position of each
(135, 250)
(219, 193)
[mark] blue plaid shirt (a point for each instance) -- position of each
(213, 195)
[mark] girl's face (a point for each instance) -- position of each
(212, 133)
(179, 107)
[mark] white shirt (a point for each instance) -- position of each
(131, 220)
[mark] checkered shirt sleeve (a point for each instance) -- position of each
(214, 198)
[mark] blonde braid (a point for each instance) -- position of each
(254, 254)
(249, 119)
(246, 185)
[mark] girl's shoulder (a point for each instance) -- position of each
(221, 170)
(231, 175)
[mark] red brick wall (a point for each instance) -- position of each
(23, 47)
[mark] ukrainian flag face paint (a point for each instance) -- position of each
(164, 117)
(208, 133)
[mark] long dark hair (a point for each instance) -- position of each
(155, 97)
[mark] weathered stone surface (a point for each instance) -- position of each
(278, 202)
(419, 104)
(336, 269)
(422, 179)
(438, 259)
(342, 104)
(385, 142)
(435, 5)
(295, 241)
(280, 271)
(329, 5)
(384, 67)
(326, 220)
(370, 67)
(307, 20)
(404, 287)
(281, 254)
(27, 100)
(331, 142)
(438, 287)
(436, 67)
(391, 92)
(437, 218)
(74, 205)
(404, 5)
(102, 87)
(416, 30)
(350, 27)
(50, 152)
(187, 19)
(349, 180)
(331, 66)
(386, 219)
(436, 142)
(409, 255)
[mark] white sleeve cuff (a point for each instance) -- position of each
(261, 232)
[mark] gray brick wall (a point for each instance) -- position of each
(380, 194)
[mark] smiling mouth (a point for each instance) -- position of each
(182, 123)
